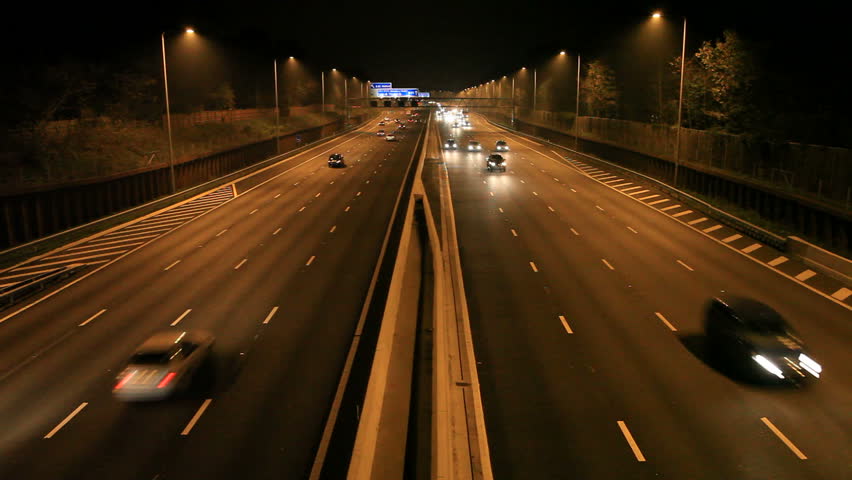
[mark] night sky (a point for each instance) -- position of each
(428, 45)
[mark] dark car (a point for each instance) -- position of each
(451, 144)
(495, 161)
(756, 340)
(336, 160)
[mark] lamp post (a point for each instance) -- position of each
(658, 15)
(535, 92)
(346, 97)
(277, 110)
(168, 110)
(322, 87)
(577, 108)
(513, 100)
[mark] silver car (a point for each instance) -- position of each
(163, 364)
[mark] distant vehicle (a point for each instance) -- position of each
(402, 126)
(474, 145)
(390, 137)
(387, 119)
(451, 144)
(756, 340)
(495, 161)
(380, 133)
(163, 364)
(455, 124)
(336, 160)
(501, 146)
(382, 124)
(466, 123)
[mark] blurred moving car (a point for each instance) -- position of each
(380, 133)
(163, 364)
(756, 339)
(473, 145)
(495, 161)
(451, 144)
(382, 124)
(455, 124)
(336, 160)
(501, 146)
(390, 137)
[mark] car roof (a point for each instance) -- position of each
(160, 341)
(751, 311)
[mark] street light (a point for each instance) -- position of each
(277, 111)
(577, 108)
(188, 30)
(658, 15)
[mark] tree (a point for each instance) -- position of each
(598, 90)
(222, 98)
(731, 72)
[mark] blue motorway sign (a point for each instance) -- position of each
(380, 85)
(424, 94)
(397, 92)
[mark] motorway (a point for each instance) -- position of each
(279, 274)
(586, 313)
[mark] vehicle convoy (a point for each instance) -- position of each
(163, 364)
(753, 339)
(336, 160)
(495, 161)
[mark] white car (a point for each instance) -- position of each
(390, 137)
(163, 364)
(473, 145)
(380, 133)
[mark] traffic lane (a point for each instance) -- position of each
(618, 232)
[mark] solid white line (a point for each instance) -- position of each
(712, 229)
(661, 317)
(669, 208)
(574, 232)
(181, 317)
(241, 264)
(629, 438)
(514, 232)
(276, 231)
(302, 209)
(686, 266)
(752, 247)
(115, 242)
(196, 416)
(607, 264)
(65, 262)
(67, 419)
(655, 202)
(222, 232)
(172, 265)
(93, 317)
(271, 314)
(639, 192)
(648, 197)
(565, 324)
(83, 252)
(686, 212)
(534, 268)
(733, 237)
(778, 261)
(27, 274)
(551, 208)
(842, 294)
(632, 229)
(333, 229)
(784, 438)
(805, 275)
(253, 212)
(311, 260)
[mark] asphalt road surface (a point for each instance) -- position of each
(586, 310)
(279, 275)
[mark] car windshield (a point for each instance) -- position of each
(474, 143)
(501, 142)
(336, 156)
(496, 158)
(767, 325)
(151, 358)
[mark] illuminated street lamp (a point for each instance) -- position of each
(658, 15)
(188, 30)
(277, 111)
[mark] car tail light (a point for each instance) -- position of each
(124, 380)
(165, 381)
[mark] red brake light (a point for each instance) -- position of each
(165, 381)
(124, 380)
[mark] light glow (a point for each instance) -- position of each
(165, 381)
(810, 365)
(768, 365)
(657, 15)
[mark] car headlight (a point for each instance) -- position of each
(768, 365)
(446, 145)
(810, 365)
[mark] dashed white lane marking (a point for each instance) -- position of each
(599, 208)
(221, 233)
(607, 264)
(195, 417)
(184, 314)
(514, 233)
(752, 247)
(172, 265)
(296, 183)
(669, 208)
(733, 237)
(277, 195)
(631, 188)
(639, 192)
(575, 191)
(302, 209)
(501, 210)
(358, 194)
(67, 419)
(565, 324)
(648, 197)
(632, 229)
(331, 182)
(805, 275)
(535, 193)
(241, 264)
(534, 268)
(842, 294)
(783, 438)
(492, 193)
(367, 181)
(271, 314)
(575, 232)
(556, 179)
(276, 231)
(311, 260)
(631, 441)
(317, 195)
(661, 317)
(680, 214)
(550, 208)
(484, 181)
(347, 209)
(93, 317)
(523, 181)
(712, 229)
(778, 261)
(686, 266)
(253, 212)
(333, 229)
